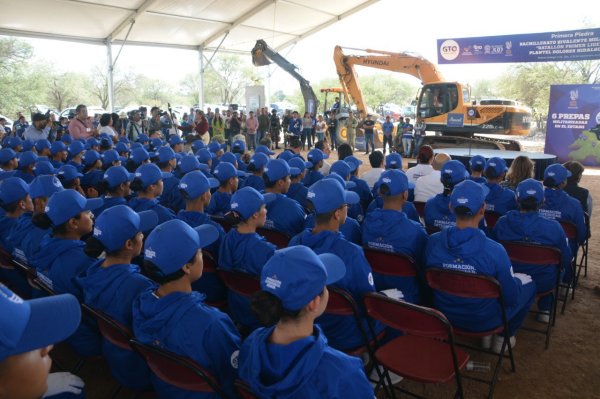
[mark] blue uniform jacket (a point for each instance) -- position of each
(27, 177)
(342, 331)
(363, 191)
(6, 225)
(311, 177)
(350, 229)
(298, 192)
(183, 324)
(171, 197)
(559, 205)
(306, 368)
(25, 239)
(112, 290)
(500, 199)
(254, 181)
(438, 213)
(408, 208)
(145, 204)
(391, 231)
(286, 215)
(246, 253)
(469, 250)
(209, 284)
(220, 203)
(109, 202)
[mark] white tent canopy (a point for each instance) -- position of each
(200, 25)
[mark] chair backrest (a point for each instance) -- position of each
(244, 390)
(407, 317)
(44, 283)
(340, 303)
(6, 261)
(531, 254)
(432, 229)
(391, 264)
(177, 370)
(420, 207)
(210, 264)
(24, 269)
(461, 284)
(491, 218)
(278, 238)
(113, 331)
(570, 229)
(240, 283)
(221, 220)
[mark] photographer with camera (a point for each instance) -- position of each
(81, 126)
(135, 127)
(155, 124)
(39, 128)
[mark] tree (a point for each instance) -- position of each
(67, 89)
(484, 89)
(12, 53)
(121, 85)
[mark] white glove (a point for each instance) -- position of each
(525, 278)
(394, 293)
(63, 382)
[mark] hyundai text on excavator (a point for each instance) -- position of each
(445, 107)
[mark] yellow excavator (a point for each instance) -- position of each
(445, 107)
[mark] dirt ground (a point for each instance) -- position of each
(570, 368)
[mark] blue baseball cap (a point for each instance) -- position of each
(7, 154)
(66, 204)
(110, 156)
(195, 184)
(495, 167)
(238, 145)
(296, 275)
(530, 188)
(120, 223)
(116, 175)
(393, 161)
(315, 156)
(124, 139)
(215, 146)
(44, 186)
(299, 164)
(13, 189)
(15, 142)
(165, 154)
(198, 145)
(288, 155)
(395, 180)
(264, 149)
(27, 158)
(156, 142)
(43, 167)
(470, 195)
(230, 158)
(341, 168)
(225, 171)
(477, 162)
(347, 184)
(136, 145)
(66, 138)
(139, 155)
(91, 178)
(91, 142)
(122, 147)
(204, 155)
(453, 172)
(91, 157)
(27, 145)
(278, 169)
(188, 163)
(42, 144)
(175, 139)
(353, 162)
(68, 173)
(143, 138)
(328, 195)
(76, 148)
(556, 174)
(247, 201)
(58, 146)
(172, 244)
(37, 323)
(149, 174)
(259, 160)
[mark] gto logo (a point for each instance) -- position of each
(449, 50)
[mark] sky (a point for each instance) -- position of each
(390, 25)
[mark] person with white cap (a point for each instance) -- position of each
(29, 330)
(389, 229)
(499, 200)
(329, 200)
(527, 225)
(243, 249)
(148, 185)
(290, 357)
(174, 317)
(466, 248)
(112, 283)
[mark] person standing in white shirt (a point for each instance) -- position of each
(423, 167)
(376, 159)
(430, 185)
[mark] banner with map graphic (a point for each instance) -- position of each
(573, 129)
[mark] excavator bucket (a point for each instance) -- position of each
(258, 57)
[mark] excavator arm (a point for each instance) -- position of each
(263, 55)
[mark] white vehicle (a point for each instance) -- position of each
(91, 111)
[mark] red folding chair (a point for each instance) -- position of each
(571, 232)
(468, 285)
(426, 353)
(391, 264)
(241, 283)
(178, 370)
(543, 256)
(244, 390)
(221, 220)
(491, 218)
(583, 263)
(420, 207)
(278, 238)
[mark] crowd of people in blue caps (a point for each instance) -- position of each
(122, 227)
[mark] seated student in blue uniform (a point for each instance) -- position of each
(290, 357)
(139, 156)
(283, 213)
(75, 153)
(148, 185)
(112, 283)
(116, 186)
(227, 175)
(24, 237)
(42, 148)
(174, 317)
(26, 165)
(16, 203)
(329, 201)
(176, 143)
(92, 161)
(477, 166)
(29, 329)
(243, 249)
(388, 229)
(499, 199)
(8, 162)
(256, 168)
(527, 225)
(560, 206)
(342, 169)
(315, 157)
(466, 248)
(393, 161)
(408, 208)
(362, 188)
(167, 162)
(297, 190)
(61, 257)
(58, 154)
(70, 177)
(123, 149)
(111, 158)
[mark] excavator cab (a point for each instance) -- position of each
(438, 99)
